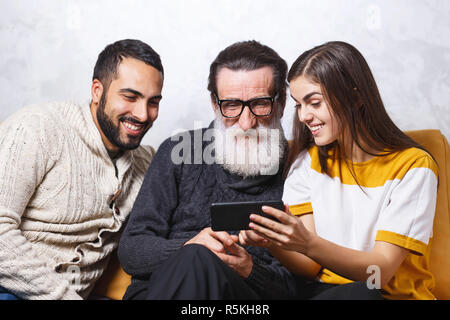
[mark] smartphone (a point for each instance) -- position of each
(230, 216)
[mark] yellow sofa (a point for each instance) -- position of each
(115, 281)
(438, 146)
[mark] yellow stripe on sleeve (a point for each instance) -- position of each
(301, 209)
(417, 246)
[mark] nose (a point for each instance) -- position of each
(140, 111)
(247, 120)
(304, 114)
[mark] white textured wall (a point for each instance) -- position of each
(48, 49)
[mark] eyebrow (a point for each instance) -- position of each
(128, 90)
(137, 93)
(309, 95)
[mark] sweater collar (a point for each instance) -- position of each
(250, 185)
(123, 162)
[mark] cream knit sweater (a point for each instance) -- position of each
(57, 227)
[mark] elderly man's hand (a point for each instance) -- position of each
(214, 241)
(238, 259)
(226, 248)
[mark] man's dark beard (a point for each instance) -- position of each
(112, 131)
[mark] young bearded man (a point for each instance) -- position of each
(69, 175)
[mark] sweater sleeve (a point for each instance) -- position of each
(25, 159)
(145, 242)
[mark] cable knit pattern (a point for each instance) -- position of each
(57, 228)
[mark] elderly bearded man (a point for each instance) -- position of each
(69, 175)
(168, 246)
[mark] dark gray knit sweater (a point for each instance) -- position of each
(173, 206)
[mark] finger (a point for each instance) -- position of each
(205, 238)
(235, 249)
(282, 216)
(211, 242)
(266, 240)
(214, 245)
(223, 237)
(243, 238)
(267, 233)
(250, 238)
(271, 242)
(266, 222)
(255, 238)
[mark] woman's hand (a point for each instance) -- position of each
(289, 233)
(292, 235)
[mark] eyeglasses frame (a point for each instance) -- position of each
(245, 104)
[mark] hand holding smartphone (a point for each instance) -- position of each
(231, 216)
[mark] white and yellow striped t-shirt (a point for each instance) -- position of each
(396, 206)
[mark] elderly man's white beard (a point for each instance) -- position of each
(249, 153)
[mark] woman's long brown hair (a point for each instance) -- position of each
(350, 90)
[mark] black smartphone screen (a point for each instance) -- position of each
(230, 216)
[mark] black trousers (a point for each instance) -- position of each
(314, 290)
(196, 273)
(193, 273)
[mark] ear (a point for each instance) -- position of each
(213, 102)
(96, 91)
(279, 106)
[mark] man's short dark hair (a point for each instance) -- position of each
(105, 69)
(250, 55)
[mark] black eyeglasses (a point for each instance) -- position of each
(260, 107)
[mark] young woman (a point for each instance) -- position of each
(360, 193)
